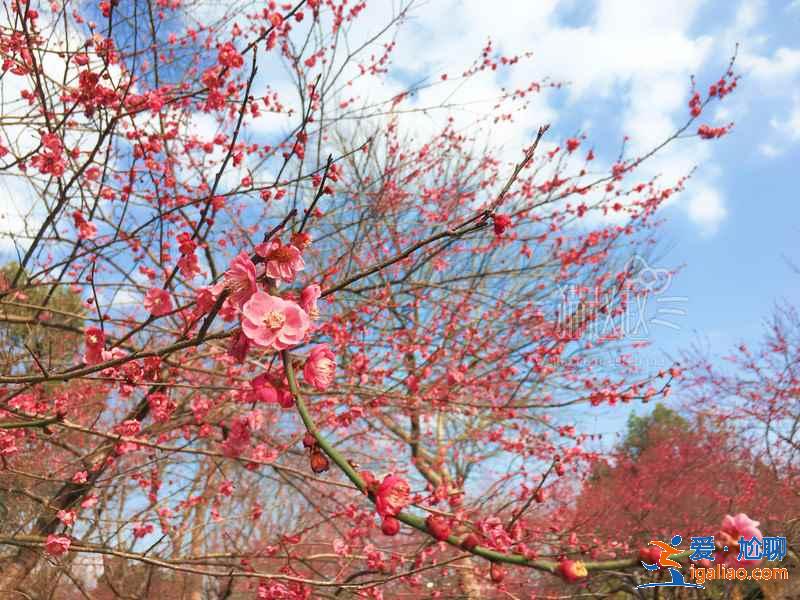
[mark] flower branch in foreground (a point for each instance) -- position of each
(420, 523)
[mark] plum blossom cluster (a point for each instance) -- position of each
(732, 530)
(50, 161)
(86, 229)
(270, 320)
(707, 132)
(391, 495)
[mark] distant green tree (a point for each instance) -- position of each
(37, 320)
(642, 431)
(41, 322)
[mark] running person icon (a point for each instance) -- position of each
(664, 561)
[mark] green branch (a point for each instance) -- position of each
(418, 523)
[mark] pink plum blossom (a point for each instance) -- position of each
(239, 279)
(263, 390)
(128, 428)
(238, 439)
(56, 545)
(95, 341)
(272, 322)
(281, 262)
(86, 229)
(320, 367)
(141, 530)
(308, 300)
(67, 517)
(157, 302)
(392, 496)
(733, 528)
(161, 407)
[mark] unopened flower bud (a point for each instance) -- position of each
(497, 572)
(319, 462)
(390, 526)
(438, 526)
(469, 542)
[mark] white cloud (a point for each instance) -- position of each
(723, 113)
(771, 74)
(706, 208)
(20, 215)
(782, 64)
(637, 55)
(769, 150)
(789, 126)
(748, 15)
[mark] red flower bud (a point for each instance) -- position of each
(470, 541)
(497, 572)
(649, 554)
(285, 398)
(390, 526)
(538, 495)
(572, 570)
(301, 240)
(309, 441)
(501, 223)
(438, 526)
(319, 462)
(369, 480)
